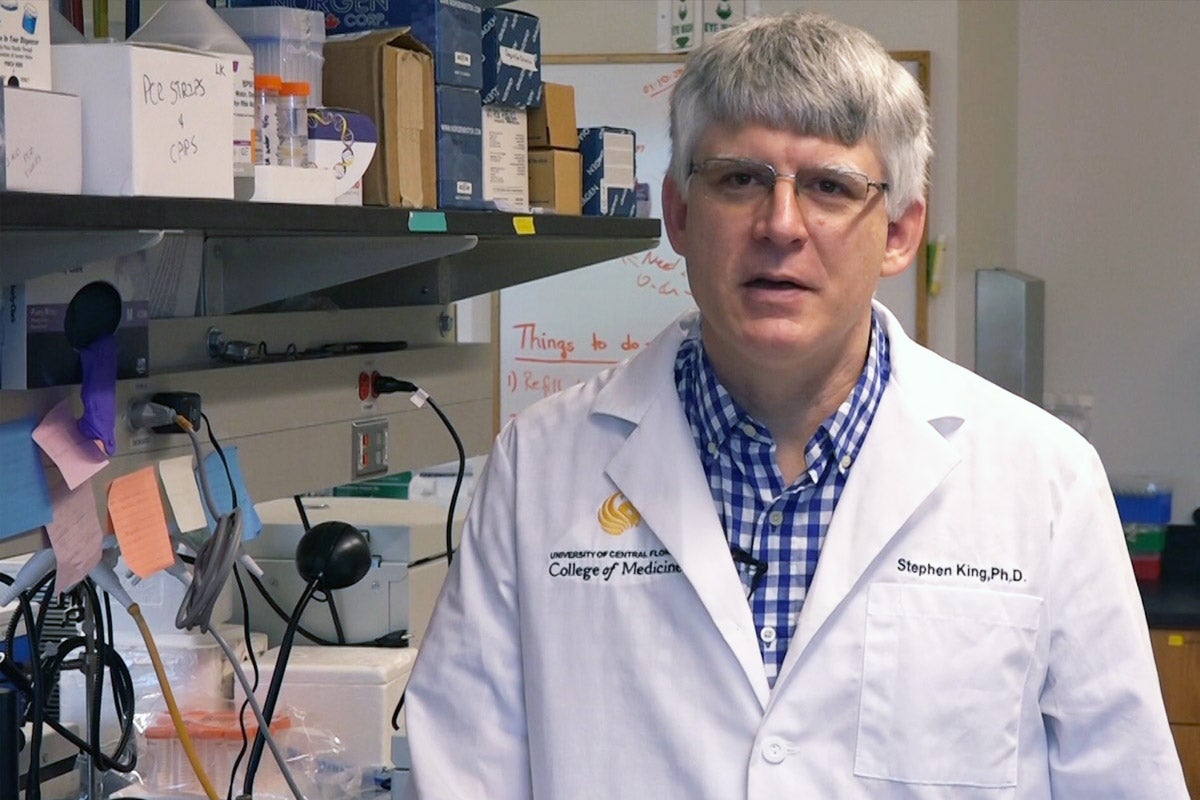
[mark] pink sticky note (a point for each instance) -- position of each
(76, 456)
(140, 522)
(75, 532)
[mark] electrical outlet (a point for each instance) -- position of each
(368, 448)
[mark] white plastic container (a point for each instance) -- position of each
(192, 23)
(288, 42)
(348, 691)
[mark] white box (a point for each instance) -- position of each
(275, 184)
(349, 691)
(157, 120)
(35, 349)
(25, 43)
(41, 141)
(506, 158)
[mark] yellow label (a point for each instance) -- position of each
(1175, 640)
(523, 226)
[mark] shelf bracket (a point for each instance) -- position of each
(242, 273)
(30, 253)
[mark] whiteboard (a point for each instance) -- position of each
(561, 330)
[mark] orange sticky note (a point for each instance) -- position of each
(140, 522)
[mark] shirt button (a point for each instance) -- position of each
(846, 462)
(712, 448)
(775, 518)
(749, 429)
(774, 751)
(767, 634)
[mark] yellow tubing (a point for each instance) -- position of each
(185, 738)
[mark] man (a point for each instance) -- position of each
(784, 551)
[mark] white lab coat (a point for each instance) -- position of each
(973, 629)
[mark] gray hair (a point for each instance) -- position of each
(807, 73)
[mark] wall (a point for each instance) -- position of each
(986, 86)
(1108, 201)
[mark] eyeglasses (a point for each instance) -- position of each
(747, 182)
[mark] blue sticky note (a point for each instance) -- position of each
(219, 482)
(24, 493)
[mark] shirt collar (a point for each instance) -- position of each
(714, 414)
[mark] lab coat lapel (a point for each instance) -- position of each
(904, 459)
(658, 471)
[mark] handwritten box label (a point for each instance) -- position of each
(42, 143)
(157, 120)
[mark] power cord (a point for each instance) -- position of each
(385, 384)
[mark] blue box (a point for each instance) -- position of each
(512, 55)
(452, 29)
(609, 171)
(341, 16)
(459, 147)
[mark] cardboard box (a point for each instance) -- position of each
(388, 75)
(453, 31)
(505, 159)
(512, 55)
(34, 347)
(41, 141)
(156, 120)
(609, 171)
(25, 44)
(459, 148)
(556, 181)
(552, 124)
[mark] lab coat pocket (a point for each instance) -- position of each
(944, 671)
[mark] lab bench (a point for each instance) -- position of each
(1172, 606)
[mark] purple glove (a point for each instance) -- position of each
(99, 391)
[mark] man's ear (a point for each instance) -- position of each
(903, 238)
(675, 214)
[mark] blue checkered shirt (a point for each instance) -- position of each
(781, 527)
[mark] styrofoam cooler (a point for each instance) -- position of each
(348, 691)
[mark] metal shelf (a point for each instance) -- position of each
(257, 254)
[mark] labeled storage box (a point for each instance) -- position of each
(555, 181)
(505, 159)
(349, 691)
(41, 141)
(609, 171)
(452, 29)
(156, 120)
(459, 148)
(25, 44)
(512, 54)
(344, 143)
(44, 315)
(552, 124)
(388, 75)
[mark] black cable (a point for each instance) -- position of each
(285, 649)
(303, 513)
(333, 615)
(237, 762)
(33, 780)
(385, 384)
(212, 438)
(458, 480)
